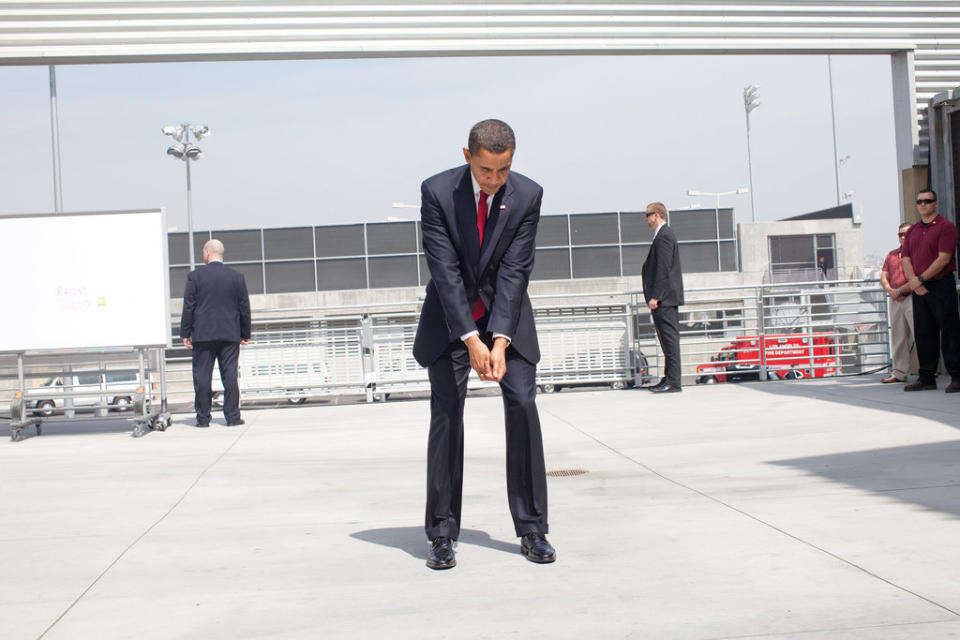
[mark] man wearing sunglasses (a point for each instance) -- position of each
(901, 309)
(929, 261)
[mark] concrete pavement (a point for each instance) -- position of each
(820, 509)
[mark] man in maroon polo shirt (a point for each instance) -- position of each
(929, 261)
(901, 310)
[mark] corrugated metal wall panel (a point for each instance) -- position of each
(108, 31)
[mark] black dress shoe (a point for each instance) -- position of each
(202, 424)
(921, 385)
(236, 423)
(441, 554)
(536, 548)
(662, 383)
(667, 388)
(953, 387)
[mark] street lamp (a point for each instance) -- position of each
(185, 150)
(751, 100)
(717, 194)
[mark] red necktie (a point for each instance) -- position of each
(478, 308)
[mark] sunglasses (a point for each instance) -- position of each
(900, 235)
(925, 201)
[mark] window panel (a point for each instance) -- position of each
(727, 224)
(424, 270)
(551, 264)
(700, 257)
(178, 281)
(594, 228)
(596, 262)
(340, 240)
(348, 273)
(633, 259)
(633, 227)
(391, 237)
(287, 277)
(397, 271)
(253, 274)
(728, 256)
(293, 242)
(552, 231)
(793, 252)
(694, 225)
(177, 248)
(240, 246)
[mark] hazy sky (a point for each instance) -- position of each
(338, 141)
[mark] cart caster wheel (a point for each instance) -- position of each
(15, 436)
(39, 431)
(617, 385)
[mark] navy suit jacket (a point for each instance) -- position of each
(662, 278)
(461, 270)
(215, 305)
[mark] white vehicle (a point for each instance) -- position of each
(94, 387)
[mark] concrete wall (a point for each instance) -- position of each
(755, 249)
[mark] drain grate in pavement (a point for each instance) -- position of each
(566, 472)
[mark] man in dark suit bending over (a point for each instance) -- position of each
(214, 323)
(663, 291)
(479, 225)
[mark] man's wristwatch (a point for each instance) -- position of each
(920, 278)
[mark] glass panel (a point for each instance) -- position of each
(633, 258)
(633, 227)
(177, 248)
(791, 252)
(552, 231)
(694, 225)
(727, 224)
(593, 228)
(89, 379)
(825, 241)
(700, 257)
(398, 271)
(253, 274)
(341, 240)
(240, 246)
(341, 274)
(391, 237)
(551, 264)
(294, 242)
(596, 262)
(178, 280)
(728, 256)
(286, 277)
(199, 239)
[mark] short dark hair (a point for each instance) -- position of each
(495, 136)
(928, 191)
(904, 224)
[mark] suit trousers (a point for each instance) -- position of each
(227, 355)
(526, 473)
(936, 326)
(901, 335)
(666, 320)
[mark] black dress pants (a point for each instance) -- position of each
(936, 326)
(666, 320)
(526, 473)
(227, 355)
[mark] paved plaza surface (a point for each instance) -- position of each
(825, 510)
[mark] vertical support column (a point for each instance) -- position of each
(905, 129)
(55, 137)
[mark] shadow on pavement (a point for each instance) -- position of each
(413, 541)
(927, 475)
(867, 392)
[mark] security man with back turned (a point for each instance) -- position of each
(663, 291)
(214, 323)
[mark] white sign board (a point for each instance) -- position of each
(84, 281)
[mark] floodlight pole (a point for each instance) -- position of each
(833, 129)
(751, 100)
(186, 159)
(55, 136)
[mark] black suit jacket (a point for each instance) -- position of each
(461, 270)
(215, 305)
(662, 278)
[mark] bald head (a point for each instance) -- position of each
(212, 250)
